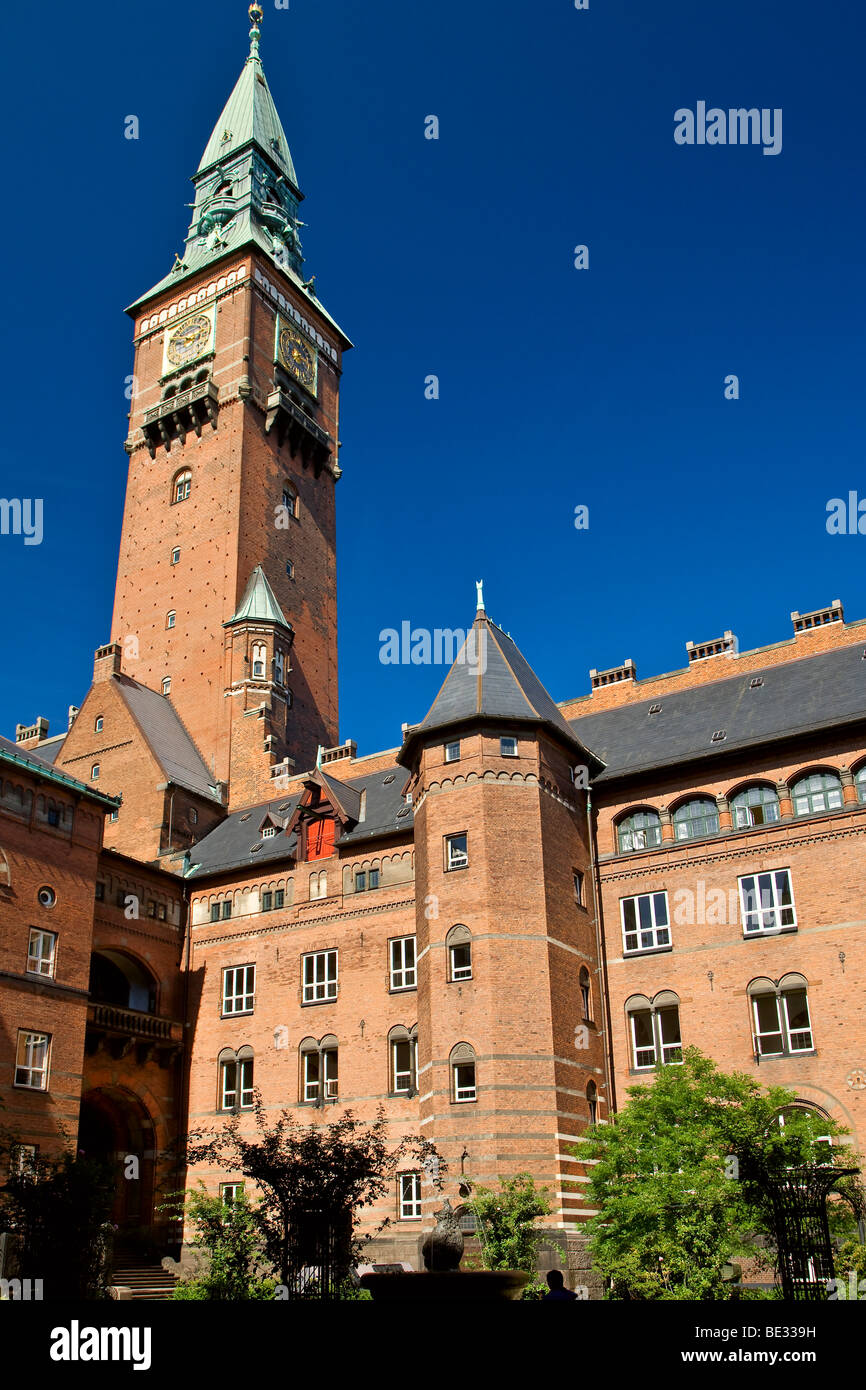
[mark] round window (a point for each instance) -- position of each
(47, 897)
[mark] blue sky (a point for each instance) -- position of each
(454, 257)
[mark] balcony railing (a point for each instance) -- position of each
(175, 417)
(114, 1019)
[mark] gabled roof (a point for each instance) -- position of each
(259, 603)
(236, 844)
(793, 699)
(491, 679)
(30, 761)
(167, 738)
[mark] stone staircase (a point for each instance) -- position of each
(146, 1280)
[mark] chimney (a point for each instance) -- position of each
(30, 735)
(615, 675)
(717, 646)
(807, 622)
(106, 662)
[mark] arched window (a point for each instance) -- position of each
(319, 884)
(463, 1078)
(640, 830)
(279, 667)
(260, 654)
(170, 618)
(403, 1060)
(820, 791)
(696, 818)
(97, 724)
(585, 993)
(654, 1030)
(754, 806)
(459, 946)
(236, 1079)
(781, 1023)
(592, 1101)
(319, 1070)
(182, 486)
(860, 783)
(166, 685)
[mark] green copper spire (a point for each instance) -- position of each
(246, 188)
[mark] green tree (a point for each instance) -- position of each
(506, 1217)
(311, 1177)
(59, 1210)
(230, 1235)
(677, 1176)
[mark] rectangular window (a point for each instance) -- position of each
(23, 1158)
(267, 902)
(645, 925)
(175, 555)
(461, 960)
(767, 902)
(361, 881)
(655, 1036)
(373, 878)
(452, 752)
(409, 1196)
(40, 953)
(319, 976)
(456, 851)
(151, 908)
(464, 1081)
(100, 892)
(161, 912)
(404, 1066)
(269, 832)
(31, 1060)
(578, 887)
(508, 747)
(403, 972)
(782, 1023)
(279, 897)
(239, 989)
(226, 910)
(214, 912)
(231, 1191)
(237, 1082)
(321, 1068)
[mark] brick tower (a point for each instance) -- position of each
(510, 1018)
(226, 585)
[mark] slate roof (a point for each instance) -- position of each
(250, 114)
(259, 603)
(12, 754)
(490, 677)
(230, 845)
(167, 738)
(794, 699)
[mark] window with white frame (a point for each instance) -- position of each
(767, 902)
(166, 685)
(236, 1080)
(230, 1192)
(456, 851)
(41, 950)
(320, 1074)
(31, 1060)
(640, 830)
(781, 1022)
(463, 1074)
(645, 922)
(403, 968)
(319, 976)
(409, 1196)
(239, 989)
(654, 1030)
(258, 660)
(452, 751)
(508, 747)
(696, 819)
(458, 943)
(403, 1043)
(755, 806)
(577, 879)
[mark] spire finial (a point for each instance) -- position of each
(256, 14)
(479, 585)
(319, 755)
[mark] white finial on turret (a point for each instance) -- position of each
(479, 585)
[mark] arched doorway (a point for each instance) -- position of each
(115, 1126)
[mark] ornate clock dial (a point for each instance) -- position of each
(189, 340)
(297, 357)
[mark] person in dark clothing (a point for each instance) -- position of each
(556, 1288)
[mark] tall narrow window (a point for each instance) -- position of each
(403, 963)
(403, 1060)
(31, 1060)
(409, 1196)
(236, 1079)
(182, 486)
(458, 944)
(170, 618)
(279, 668)
(585, 993)
(258, 660)
(463, 1077)
(166, 685)
(592, 1101)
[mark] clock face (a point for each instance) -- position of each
(297, 356)
(189, 340)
